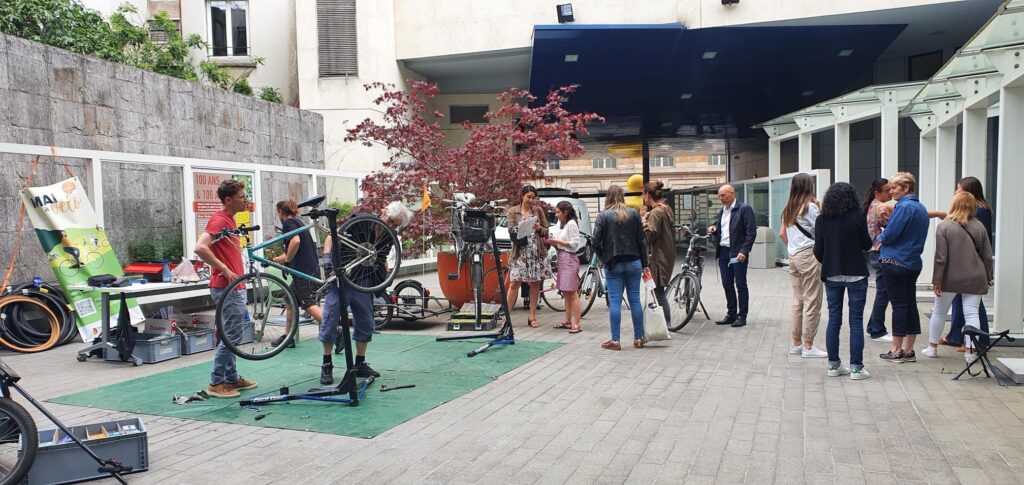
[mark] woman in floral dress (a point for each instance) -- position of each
(528, 260)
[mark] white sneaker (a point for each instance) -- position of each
(834, 371)
(884, 338)
(813, 353)
(859, 374)
(796, 349)
(970, 357)
(929, 351)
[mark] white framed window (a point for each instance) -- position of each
(663, 161)
(717, 159)
(228, 21)
(554, 164)
(605, 162)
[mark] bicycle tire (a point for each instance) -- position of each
(382, 314)
(27, 347)
(410, 296)
(54, 299)
(363, 247)
(17, 430)
(590, 286)
(263, 292)
(683, 295)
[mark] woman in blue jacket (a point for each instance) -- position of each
(900, 261)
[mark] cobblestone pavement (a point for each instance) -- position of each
(713, 405)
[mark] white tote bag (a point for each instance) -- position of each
(654, 319)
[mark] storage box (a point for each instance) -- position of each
(124, 440)
(152, 348)
(194, 339)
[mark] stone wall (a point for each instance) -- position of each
(52, 97)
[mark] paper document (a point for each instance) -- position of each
(526, 227)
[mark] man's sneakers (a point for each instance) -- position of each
(970, 357)
(930, 351)
(278, 341)
(813, 353)
(837, 370)
(230, 389)
(796, 349)
(859, 374)
(363, 370)
(326, 374)
(899, 356)
(884, 338)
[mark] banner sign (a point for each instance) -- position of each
(206, 202)
(71, 236)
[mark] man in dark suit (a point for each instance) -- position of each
(736, 228)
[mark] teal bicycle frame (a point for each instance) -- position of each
(251, 250)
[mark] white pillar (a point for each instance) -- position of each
(188, 196)
(890, 139)
(975, 133)
(774, 158)
(945, 168)
(842, 152)
(926, 193)
(1010, 229)
(804, 160)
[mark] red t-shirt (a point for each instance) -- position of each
(227, 250)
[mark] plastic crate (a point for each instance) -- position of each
(248, 332)
(152, 348)
(68, 463)
(195, 340)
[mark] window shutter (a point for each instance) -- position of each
(336, 36)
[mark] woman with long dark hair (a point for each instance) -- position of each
(661, 243)
(840, 239)
(528, 260)
(619, 242)
(984, 214)
(902, 243)
(878, 194)
(568, 278)
(798, 218)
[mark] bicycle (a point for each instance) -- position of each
(683, 292)
(471, 231)
(591, 286)
(360, 251)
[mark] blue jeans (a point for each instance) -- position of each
(362, 315)
(901, 284)
(233, 313)
(858, 291)
(625, 273)
(876, 323)
(956, 328)
(734, 282)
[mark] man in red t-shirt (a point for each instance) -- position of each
(225, 259)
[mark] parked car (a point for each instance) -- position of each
(551, 198)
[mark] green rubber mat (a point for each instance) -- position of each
(440, 370)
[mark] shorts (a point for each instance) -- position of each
(305, 292)
(362, 315)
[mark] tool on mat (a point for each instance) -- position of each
(385, 388)
(196, 396)
(261, 416)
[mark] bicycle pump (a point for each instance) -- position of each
(505, 335)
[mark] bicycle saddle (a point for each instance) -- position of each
(313, 202)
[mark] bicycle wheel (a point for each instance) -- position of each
(410, 301)
(257, 334)
(683, 297)
(382, 310)
(363, 246)
(19, 440)
(589, 288)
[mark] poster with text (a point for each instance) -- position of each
(77, 247)
(206, 202)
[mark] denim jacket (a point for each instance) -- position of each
(905, 233)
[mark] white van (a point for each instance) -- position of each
(550, 197)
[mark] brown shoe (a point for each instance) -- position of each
(242, 384)
(611, 345)
(943, 341)
(638, 344)
(222, 390)
(961, 348)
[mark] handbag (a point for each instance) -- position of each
(977, 250)
(655, 328)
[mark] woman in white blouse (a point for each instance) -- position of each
(568, 279)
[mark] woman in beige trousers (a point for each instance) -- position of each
(797, 232)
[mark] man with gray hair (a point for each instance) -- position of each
(737, 229)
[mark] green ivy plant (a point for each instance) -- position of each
(271, 94)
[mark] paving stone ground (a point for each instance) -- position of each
(713, 405)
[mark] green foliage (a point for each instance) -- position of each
(216, 75)
(271, 94)
(156, 249)
(142, 250)
(344, 208)
(64, 24)
(242, 86)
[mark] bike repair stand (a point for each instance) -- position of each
(505, 335)
(348, 381)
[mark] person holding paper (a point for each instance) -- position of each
(527, 261)
(735, 223)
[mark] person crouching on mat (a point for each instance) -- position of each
(397, 216)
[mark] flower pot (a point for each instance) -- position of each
(460, 291)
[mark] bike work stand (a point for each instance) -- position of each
(348, 381)
(505, 335)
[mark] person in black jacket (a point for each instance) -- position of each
(735, 223)
(840, 241)
(620, 245)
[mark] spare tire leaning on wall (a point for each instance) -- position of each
(35, 317)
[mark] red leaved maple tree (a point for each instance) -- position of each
(494, 163)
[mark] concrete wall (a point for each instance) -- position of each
(51, 97)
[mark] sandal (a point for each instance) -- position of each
(611, 345)
(532, 323)
(638, 344)
(565, 325)
(575, 329)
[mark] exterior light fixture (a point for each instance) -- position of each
(807, 93)
(572, 57)
(686, 96)
(564, 13)
(709, 55)
(845, 52)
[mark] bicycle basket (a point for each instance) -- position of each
(478, 226)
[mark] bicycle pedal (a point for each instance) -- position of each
(453, 276)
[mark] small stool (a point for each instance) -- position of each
(975, 335)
